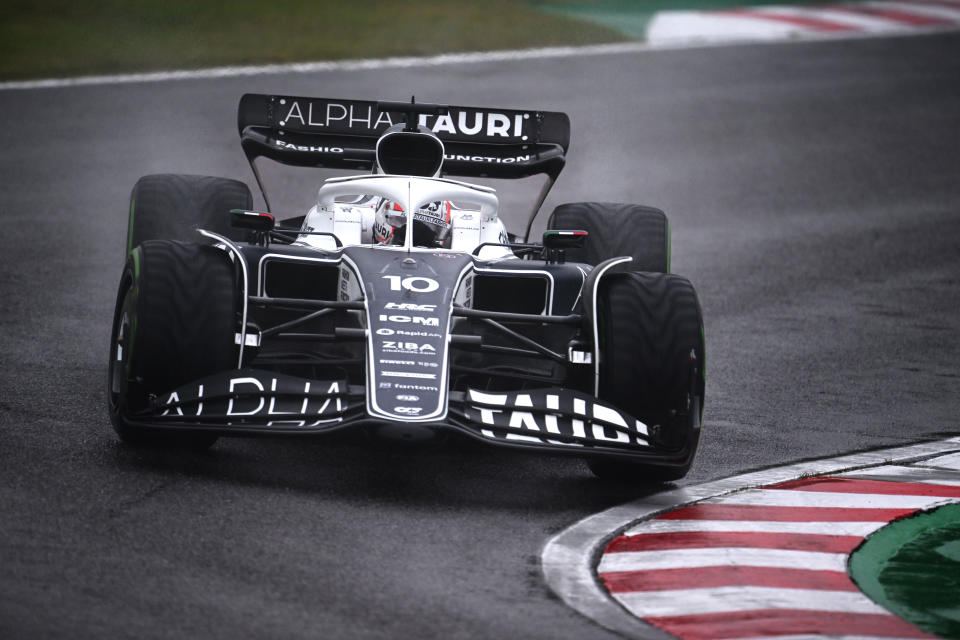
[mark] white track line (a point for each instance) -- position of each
(828, 499)
(951, 462)
(712, 526)
(475, 57)
(918, 6)
(371, 64)
(683, 602)
(568, 559)
(721, 557)
(896, 473)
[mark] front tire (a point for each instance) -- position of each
(174, 323)
(617, 230)
(652, 366)
(170, 206)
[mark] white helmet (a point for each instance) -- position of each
(431, 224)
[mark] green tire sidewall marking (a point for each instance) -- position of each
(130, 227)
(136, 266)
(912, 567)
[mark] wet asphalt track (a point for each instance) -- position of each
(814, 191)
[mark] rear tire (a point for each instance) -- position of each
(652, 366)
(174, 323)
(169, 206)
(617, 230)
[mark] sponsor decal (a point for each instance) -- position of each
(407, 322)
(545, 413)
(364, 118)
(327, 114)
(406, 306)
(428, 219)
(408, 411)
(404, 397)
(464, 295)
(486, 123)
(407, 347)
(289, 146)
(382, 231)
(415, 387)
(401, 319)
(433, 213)
(384, 331)
(409, 374)
(345, 287)
(306, 403)
(487, 159)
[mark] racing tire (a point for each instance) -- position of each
(652, 366)
(617, 230)
(174, 323)
(169, 206)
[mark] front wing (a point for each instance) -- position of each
(254, 401)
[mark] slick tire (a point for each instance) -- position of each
(652, 366)
(174, 323)
(171, 207)
(617, 230)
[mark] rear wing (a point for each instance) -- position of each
(479, 142)
(343, 134)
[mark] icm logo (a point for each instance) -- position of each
(426, 322)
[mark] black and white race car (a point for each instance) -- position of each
(399, 305)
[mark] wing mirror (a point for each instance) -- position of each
(253, 220)
(557, 239)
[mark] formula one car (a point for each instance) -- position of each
(399, 305)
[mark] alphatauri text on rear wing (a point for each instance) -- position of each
(333, 133)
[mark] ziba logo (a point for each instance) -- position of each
(412, 347)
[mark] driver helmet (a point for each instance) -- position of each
(431, 224)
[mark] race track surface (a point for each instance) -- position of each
(814, 191)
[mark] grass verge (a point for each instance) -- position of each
(54, 38)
